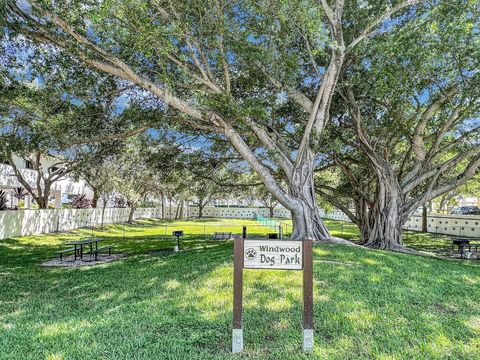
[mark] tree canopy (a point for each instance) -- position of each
(272, 79)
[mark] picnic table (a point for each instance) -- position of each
(78, 246)
(81, 244)
(462, 242)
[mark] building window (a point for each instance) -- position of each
(28, 164)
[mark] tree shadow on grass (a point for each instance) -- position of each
(178, 306)
(140, 306)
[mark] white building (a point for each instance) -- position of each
(60, 189)
(468, 201)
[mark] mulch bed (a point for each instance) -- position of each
(68, 261)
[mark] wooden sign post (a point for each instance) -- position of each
(272, 254)
(237, 333)
(307, 295)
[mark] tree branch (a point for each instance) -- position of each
(369, 29)
(334, 201)
(110, 137)
(262, 135)
(467, 174)
(262, 171)
(296, 95)
(438, 170)
(328, 12)
(120, 69)
(417, 145)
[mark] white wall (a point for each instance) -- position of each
(460, 225)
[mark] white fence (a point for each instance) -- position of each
(31, 222)
(237, 213)
(459, 225)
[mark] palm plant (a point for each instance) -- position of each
(3, 200)
(19, 193)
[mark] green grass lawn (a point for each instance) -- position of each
(152, 305)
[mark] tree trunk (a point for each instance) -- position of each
(96, 196)
(271, 211)
(130, 215)
(177, 211)
(385, 218)
(424, 219)
(307, 222)
(104, 205)
(182, 207)
(201, 205)
(443, 206)
(185, 210)
(163, 206)
(361, 209)
(42, 204)
(42, 199)
(180, 210)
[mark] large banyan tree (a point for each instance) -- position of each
(261, 74)
(412, 132)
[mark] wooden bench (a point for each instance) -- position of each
(61, 252)
(102, 249)
(222, 236)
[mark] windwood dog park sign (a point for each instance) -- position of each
(262, 254)
(279, 255)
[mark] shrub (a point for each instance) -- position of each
(81, 202)
(120, 201)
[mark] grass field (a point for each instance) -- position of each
(433, 243)
(148, 305)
